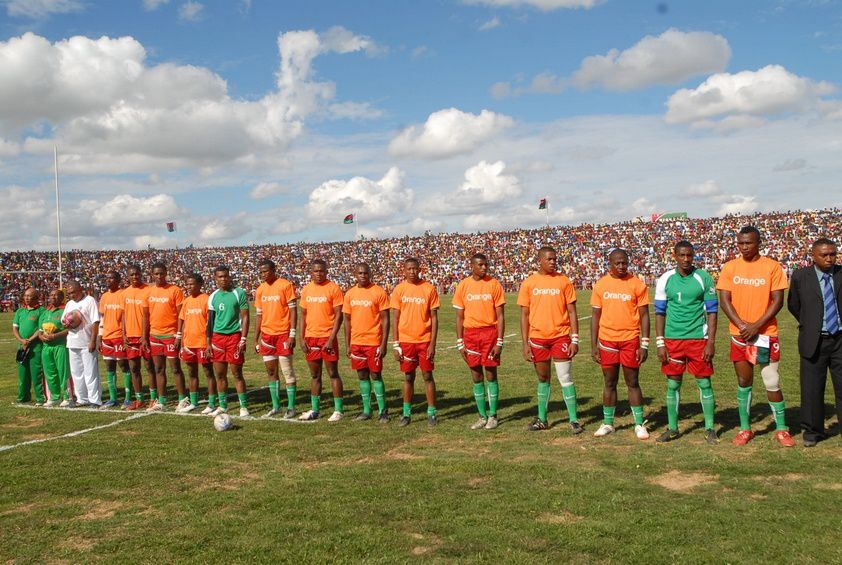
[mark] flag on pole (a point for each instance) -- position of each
(170, 226)
(542, 204)
(349, 219)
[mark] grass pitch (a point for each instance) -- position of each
(168, 488)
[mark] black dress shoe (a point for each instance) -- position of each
(810, 442)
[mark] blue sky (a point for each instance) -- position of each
(269, 121)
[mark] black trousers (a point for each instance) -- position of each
(813, 379)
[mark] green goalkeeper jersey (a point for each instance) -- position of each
(685, 301)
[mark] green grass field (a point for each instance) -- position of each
(167, 488)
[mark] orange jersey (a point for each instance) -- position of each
(194, 316)
(164, 303)
(111, 314)
(751, 284)
(319, 301)
(272, 303)
(415, 303)
(547, 297)
(364, 306)
(479, 299)
(619, 300)
(134, 301)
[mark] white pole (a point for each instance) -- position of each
(357, 225)
(58, 218)
(547, 210)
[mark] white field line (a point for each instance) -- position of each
(72, 434)
(514, 334)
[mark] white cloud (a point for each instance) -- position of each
(266, 189)
(229, 228)
(447, 133)
(501, 90)
(151, 5)
(420, 51)
(707, 188)
(8, 148)
(490, 24)
(487, 183)
(110, 111)
(373, 200)
(126, 209)
(642, 206)
(191, 11)
(738, 204)
(544, 5)
(354, 111)
(143, 241)
(38, 9)
(790, 165)
(736, 101)
(670, 58)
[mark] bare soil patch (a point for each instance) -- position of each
(679, 481)
(559, 518)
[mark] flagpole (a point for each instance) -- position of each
(547, 210)
(58, 217)
(357, 225)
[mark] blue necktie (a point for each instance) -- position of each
(831, 316)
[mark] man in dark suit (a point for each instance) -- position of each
(815, 299)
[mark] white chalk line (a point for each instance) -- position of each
(71, 434)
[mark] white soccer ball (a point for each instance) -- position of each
(222, 422)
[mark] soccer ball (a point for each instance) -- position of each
(72, 319)
(222, 422)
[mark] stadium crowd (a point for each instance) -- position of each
(444, 257)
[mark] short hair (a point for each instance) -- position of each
(134, 267)
(268, 262)
(823, 241)
(546, 249)
(158, 265)
(115, 274)
(683, 244)
(749, 229)
(196, 277)
(222, 269)
(321, 262)
(73, 283)
(412, 260)
(617, 251)
(362, 264)
(60, 293)
(479, 256)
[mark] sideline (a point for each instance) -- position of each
(73, 434)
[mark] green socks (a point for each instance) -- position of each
(112, 386)
(162, 400)
(543, 400)
(153, 394)
(380, 394)
(365, 392)
(223, 400)
(778, 413)
(479, 398)
(407, 409)
(708, 402)
(127, 384)
(314, 402)
(212, 400)
(569, 393)
(744, 405)
(493, 396)
(608, 415)
(194, 398)
(181, 397)
(290, 397)
(241, 396)
(337, 404)
(431, 410)
(637, 412)
(673, 399)
(273, 392)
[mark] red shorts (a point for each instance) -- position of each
(741, 351)
(226, 348)
(544, 349)
(113, 349)
(133, 351)
(163, 347)
(365, 357)
(315, 349)
(478, 345)
(415, 355)
(686, 354)
(274, 346)
(192, 355)
(612, 353)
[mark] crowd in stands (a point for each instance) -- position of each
(444, 257)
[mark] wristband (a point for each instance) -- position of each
(292, 332)
(460, 344)
(396, 345)
(243, 340)
(100, 332)
(659, 341)
(644, 343)
(178, 335)
(499, 342)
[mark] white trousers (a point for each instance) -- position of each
(84, 369)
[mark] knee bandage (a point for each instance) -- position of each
(562, 371)
(771, 379)
(287, 370)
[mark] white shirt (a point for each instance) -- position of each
(80, 337)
